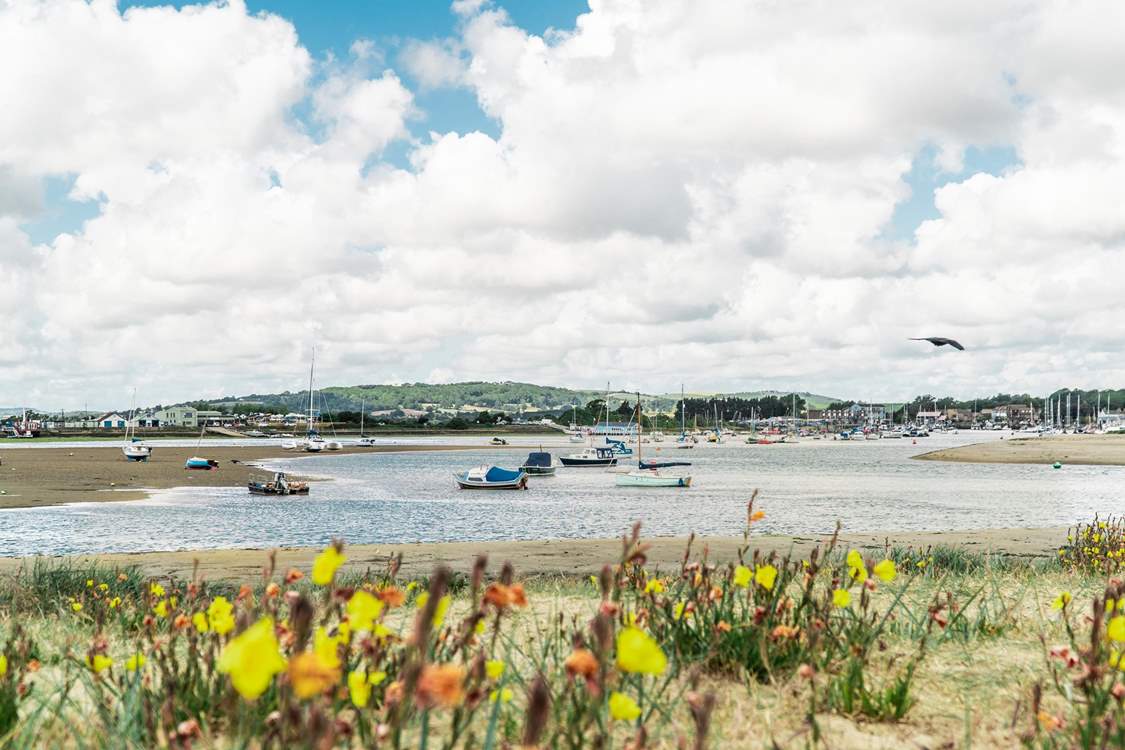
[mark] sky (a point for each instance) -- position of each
(732, 196)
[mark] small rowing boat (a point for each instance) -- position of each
(487, 477)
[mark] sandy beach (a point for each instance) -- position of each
(1099, 450)
(554, 557)
(37, 477)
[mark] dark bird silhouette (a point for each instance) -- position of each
(941, 341)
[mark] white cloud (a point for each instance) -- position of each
(680, 191)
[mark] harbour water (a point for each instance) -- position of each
(411, 497)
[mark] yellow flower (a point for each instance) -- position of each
(1115, 629)
(98, 662)
(103, 587)
(220, 615)
(252, 658)
(886, 571)
(325, 565)
(3, 665)
(494, 668)
(135, 662)
(855, 560)
(199, 620)
(1063, 599)
(359, 686)
(156, 590)
(363, 608)
(594, 580)
(841, 598)
(654, 586)
(742, 576)
(638, 652)
(115, 602)
(421, 599)
(76, 606)
(327, 648)
(161, 608)
(622, 707)
(440, 610)
(311, 675)
(479, 628)
(89, 583)
(504, 695)
(678, 611)
(765, 575)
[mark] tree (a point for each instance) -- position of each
(457, 424)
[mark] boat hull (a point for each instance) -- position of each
(539, 471)
(585, 462)
(639, 479)
(479, 484)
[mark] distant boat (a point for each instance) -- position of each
(366, 442)
(333, 445)
(288, 445)
(487, 477)
(134, 449)
(539, 464)
(498, 441)
(590, 457)
(649, 475)
(197, 463)
(652, 478)
(278, 485)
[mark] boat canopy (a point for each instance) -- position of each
(492, 474)
(538, 459)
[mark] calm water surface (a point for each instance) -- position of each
(411, 497)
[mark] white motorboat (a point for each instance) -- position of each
(333, 445)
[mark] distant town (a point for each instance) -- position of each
(348, 409)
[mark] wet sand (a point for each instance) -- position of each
(553, 557)
(1097, 450)
(37, 477)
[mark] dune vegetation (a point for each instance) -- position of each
(930, 648)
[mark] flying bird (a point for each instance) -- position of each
(941, 341)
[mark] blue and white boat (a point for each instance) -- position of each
(487, 477)
(204, 464)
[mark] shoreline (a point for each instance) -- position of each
(44, 477)
(1080, 450)
(554, 557)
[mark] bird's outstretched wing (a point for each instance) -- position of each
(940, 341)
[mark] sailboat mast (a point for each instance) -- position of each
(362, 409)
(312, 368)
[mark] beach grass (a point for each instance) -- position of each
(932, 647)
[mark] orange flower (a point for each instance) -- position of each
(758, 515)
(273, 590)
(394, 693)
(440, 685)
(310, 675)
(519, 598)
(785, 631)
(244, 592)
(723, 626)
(293, 575)
(391, 596)
(181, 621)
(581, 662)
(716, 594)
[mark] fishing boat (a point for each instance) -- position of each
(590, 457)
(487, 477)
(539, 464)
(650, 475)
(134, 449)
(201, 464)
(279, 484)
